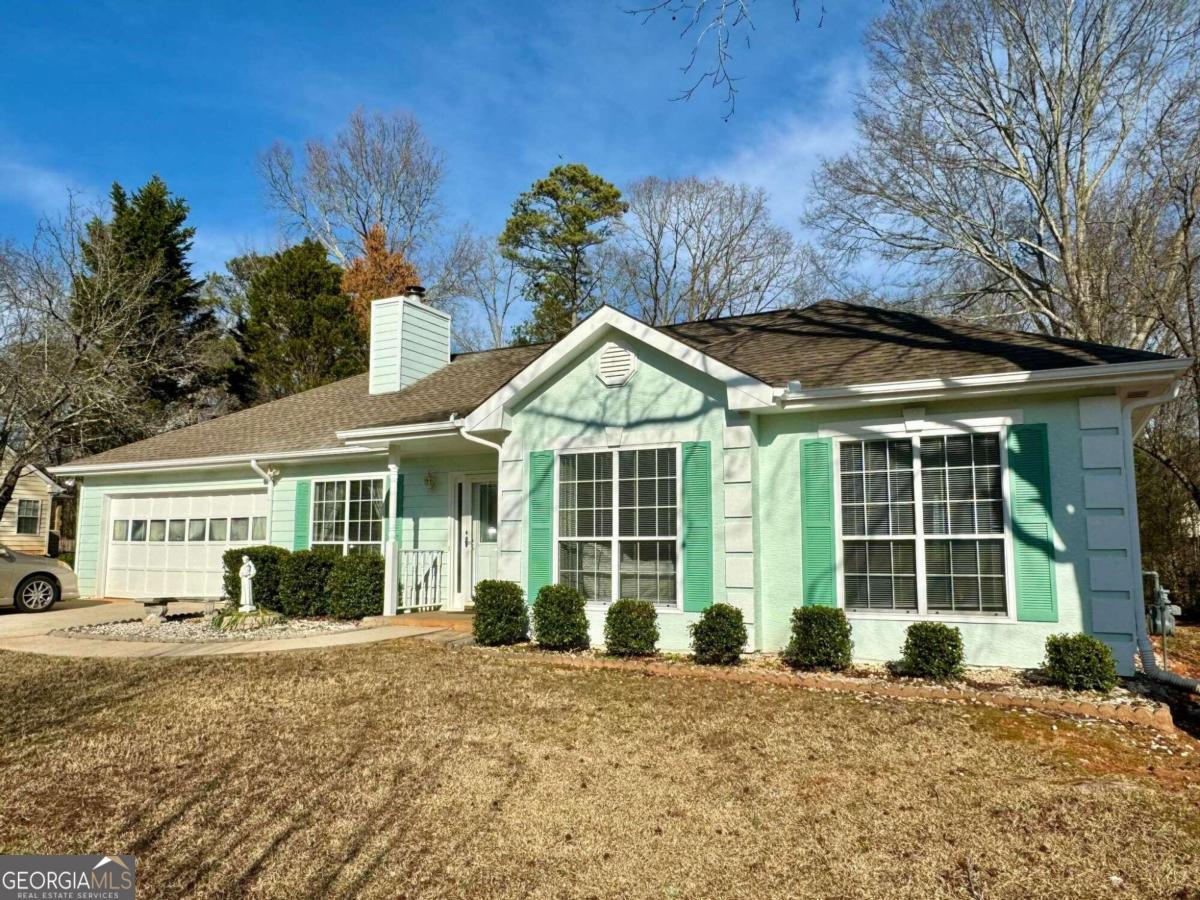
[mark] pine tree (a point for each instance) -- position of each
(148, 234)
(299, 332)
(552, 235)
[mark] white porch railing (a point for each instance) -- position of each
(417, 576)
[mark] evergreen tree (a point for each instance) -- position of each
(149, 232)
(300, 331)
(552, 236)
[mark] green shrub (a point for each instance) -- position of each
(500, 614)
(67, 556)
(719, 637)
(302, 579)
(1080, 662)
(355, 586)
(268, 565)
(559, 622)
(820, 639)
(932, 650)
(631, 628)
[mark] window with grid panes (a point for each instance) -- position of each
(957, 538)
(348, 514)
(617, 524)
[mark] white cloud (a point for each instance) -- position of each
(782, 157)
(41, 190)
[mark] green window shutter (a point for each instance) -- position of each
(817, 545)
(1032, 523)
(697, 526)
(303, 502)
(541, 521)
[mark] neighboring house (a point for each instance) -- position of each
(25, 525)
(901, 467)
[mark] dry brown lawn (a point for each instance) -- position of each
(409, 770)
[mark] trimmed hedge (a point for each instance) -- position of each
(1080, 662)
(268, 566)
(355, 586)
(559, 622)
(631, 628)
(302, 582)
(932, 650)
(501, 617)
(719, 637)
(820, 639)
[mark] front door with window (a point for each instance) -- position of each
(477, 552)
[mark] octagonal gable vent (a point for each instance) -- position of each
(617, 364)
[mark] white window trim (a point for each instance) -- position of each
(37, 528)
(345, 541)
(615, 538)
(899, 431)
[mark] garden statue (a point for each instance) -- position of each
(247, 572)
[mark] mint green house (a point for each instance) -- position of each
(900, 467)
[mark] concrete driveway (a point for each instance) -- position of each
(15, 624)
(31, 633)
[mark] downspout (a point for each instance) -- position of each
(266, 476)
(1145, 648)
(478, 440)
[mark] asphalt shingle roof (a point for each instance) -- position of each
(827, 344)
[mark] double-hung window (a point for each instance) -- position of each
(618, 531)
(922, 525)
(29, 516)
(347, 513)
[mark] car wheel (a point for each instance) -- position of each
(36, 594)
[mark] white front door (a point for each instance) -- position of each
(477, 554)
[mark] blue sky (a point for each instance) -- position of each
(92, 92)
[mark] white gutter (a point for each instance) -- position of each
(1145, 648)
(207, 462)
(396, 431)
(975, 385)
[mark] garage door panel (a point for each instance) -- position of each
(174, 568)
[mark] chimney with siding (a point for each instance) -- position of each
(409, 340)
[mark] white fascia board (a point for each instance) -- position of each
(55, 487)
(396, 431)
(743, 392)
(980, 385)
(206, 462)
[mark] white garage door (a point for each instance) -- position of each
(170, 545)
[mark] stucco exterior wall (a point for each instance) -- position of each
(987, 642)
(664, 402)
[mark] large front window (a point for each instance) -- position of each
(348, 514)
(922, 525)
(618, 524)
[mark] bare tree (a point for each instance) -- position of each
(378, 170)
(695, 249)
(1000, 135)
(714, 26)
(489, 286)
(69, 363)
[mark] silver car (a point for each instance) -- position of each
(34, 583)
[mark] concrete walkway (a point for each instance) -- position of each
(31, 633)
